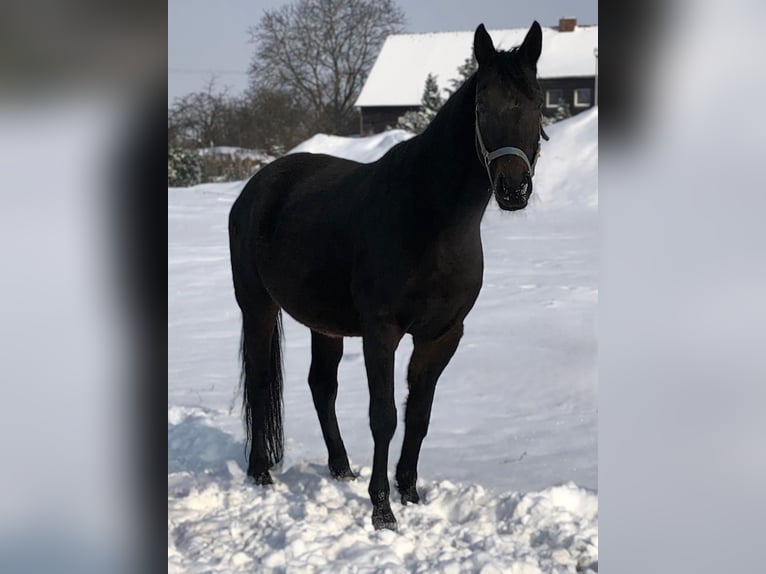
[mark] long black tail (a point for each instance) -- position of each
(262, 399)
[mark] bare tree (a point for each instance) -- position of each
(198, 119)
(321, 51)
(277, 119)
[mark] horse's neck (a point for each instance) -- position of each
(453, 128)
(446, 152)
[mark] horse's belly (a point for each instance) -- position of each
(319, 299)
(325, 319)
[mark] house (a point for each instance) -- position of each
(567, 69)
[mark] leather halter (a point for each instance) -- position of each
(489, 156)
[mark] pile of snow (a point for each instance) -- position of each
(566, 174)
(363, 149)
(507, 442)
(308, 522)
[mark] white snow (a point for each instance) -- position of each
(568, 160)
(310, 523)
(364, 149)
(390, 83)
(508, 472)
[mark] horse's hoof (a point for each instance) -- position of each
(410, 494)
(384, 525)
(263, 478)
(383, 519)
(343, 474)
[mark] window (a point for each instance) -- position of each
(582, 98)
(553, 98)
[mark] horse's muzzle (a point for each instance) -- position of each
(512, 193)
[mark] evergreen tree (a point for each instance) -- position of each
(466, 69)
(431, 100)
(430, 104)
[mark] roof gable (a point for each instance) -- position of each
(405, 60)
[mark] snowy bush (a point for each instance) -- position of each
(230, 165)
(414, 122)
(212, 165)
(562, 112)
(184, 168)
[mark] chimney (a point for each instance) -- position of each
(567, 24)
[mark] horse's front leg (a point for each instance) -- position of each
(429, 358)
(379, 341)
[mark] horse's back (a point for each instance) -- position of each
(288, 178)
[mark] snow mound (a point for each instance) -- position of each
(567, 171)
(365, 150)
(307, 522)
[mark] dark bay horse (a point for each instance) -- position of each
(380, 250)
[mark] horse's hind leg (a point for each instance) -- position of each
(261, 351)
(429, 358)
(262, 404)
(326, 353)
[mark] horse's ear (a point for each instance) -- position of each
(483, 48)
(532, 45)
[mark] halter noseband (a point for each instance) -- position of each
(489, 156)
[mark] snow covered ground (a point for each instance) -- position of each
(508, 472)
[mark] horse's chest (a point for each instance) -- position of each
(448, 281)
(442, 293)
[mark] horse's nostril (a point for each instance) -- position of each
(506, 187)
(511, 189)
(526, 186)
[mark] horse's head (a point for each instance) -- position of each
(509, 115)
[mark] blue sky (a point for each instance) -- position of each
(210, 36)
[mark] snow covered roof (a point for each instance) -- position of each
(405, 60)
